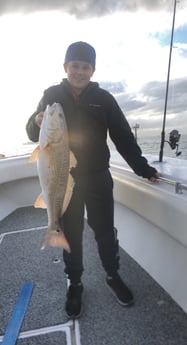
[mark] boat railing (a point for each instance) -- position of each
(179, 187)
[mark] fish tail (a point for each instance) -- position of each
(54, 238)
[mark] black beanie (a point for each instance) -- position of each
(81, 51)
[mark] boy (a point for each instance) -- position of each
(91, 113)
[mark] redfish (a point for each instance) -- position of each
(54, 162)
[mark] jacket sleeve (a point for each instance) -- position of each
(32, 128)
(125, 142)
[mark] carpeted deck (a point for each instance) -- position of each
(155, 319)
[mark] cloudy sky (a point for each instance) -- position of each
(131, 39)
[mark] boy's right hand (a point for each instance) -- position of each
(39, 118)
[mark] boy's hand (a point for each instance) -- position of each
(155, 177)
(39, 118)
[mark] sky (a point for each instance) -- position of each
(131, 39)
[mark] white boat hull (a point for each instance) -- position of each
(151, 219)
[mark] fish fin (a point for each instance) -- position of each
(73, 161)
(44, 147)
(34, 155)
(54, 238)
(68, 194)
(40, 203)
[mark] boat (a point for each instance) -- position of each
(151, 221)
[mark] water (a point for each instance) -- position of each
(17, 150)
(149, 145)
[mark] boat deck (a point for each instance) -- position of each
(155, 319)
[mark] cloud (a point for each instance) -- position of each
(146, 107)
(155, 94)
(132, 57)
(151, 97)
(82, 8)
(114, 87)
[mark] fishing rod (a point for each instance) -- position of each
(167, 87)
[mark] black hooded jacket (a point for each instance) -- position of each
(89, 119)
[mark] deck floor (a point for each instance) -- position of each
(155, 319)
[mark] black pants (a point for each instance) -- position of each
(94, 192)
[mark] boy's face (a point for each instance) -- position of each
(79, 73)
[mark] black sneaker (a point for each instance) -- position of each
(120, 290)
(73, 305)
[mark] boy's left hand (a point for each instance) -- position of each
(155, 177)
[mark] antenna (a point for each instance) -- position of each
(135, 127)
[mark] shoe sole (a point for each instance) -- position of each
(74, 317)
(129, 304)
